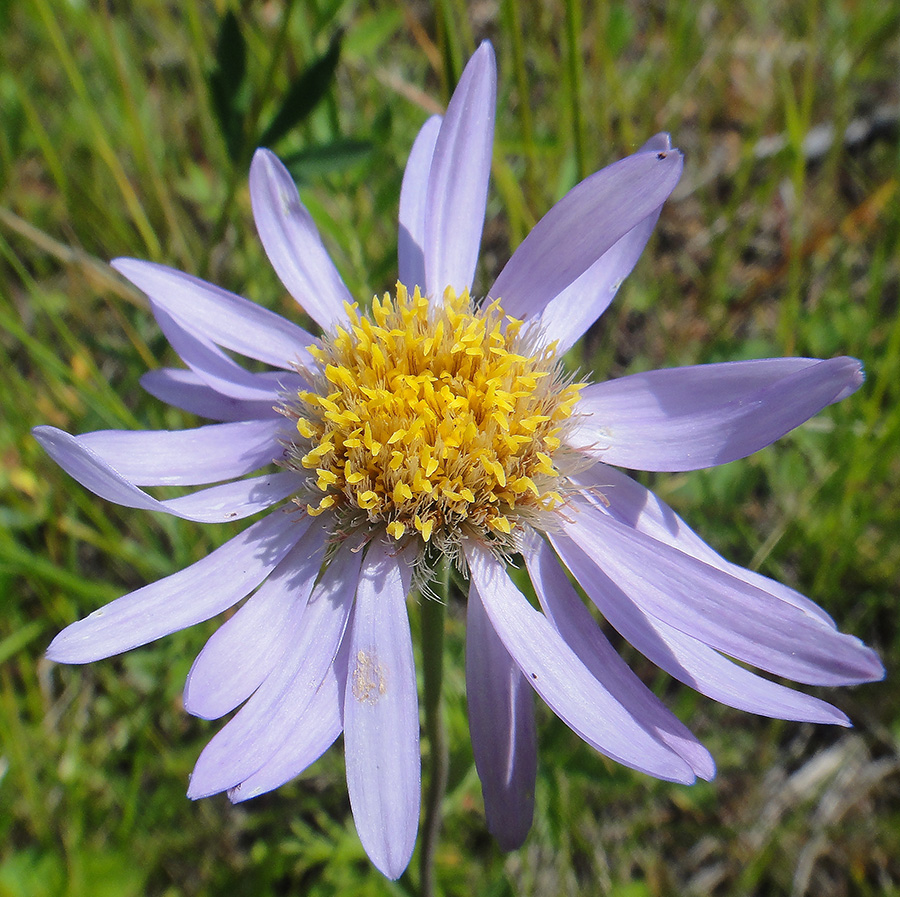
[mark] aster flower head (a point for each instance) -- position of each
(434, 425)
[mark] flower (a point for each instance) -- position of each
(434, 426)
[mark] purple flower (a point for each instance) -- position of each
(436, 427)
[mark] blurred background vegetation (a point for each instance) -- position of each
(126, 129)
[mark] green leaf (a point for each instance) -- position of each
(327, 158)
(225, 84)
(304, 94)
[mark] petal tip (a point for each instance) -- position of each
(265, 162)
(193, 702)
(238, 794)
(123, 263)
(54, 652)
(661, 142)
(197, 787)
(877, 670)
(391, 867)
(191, 793)
(706, 769)
(856, 375)
(485, 48)
(260, 154)
(64, 650)
(508, 842)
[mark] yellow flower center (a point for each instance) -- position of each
(436, 421)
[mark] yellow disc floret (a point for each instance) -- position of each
(432, 420)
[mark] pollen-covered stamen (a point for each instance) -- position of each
(433, 421)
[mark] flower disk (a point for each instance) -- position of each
(440, 422)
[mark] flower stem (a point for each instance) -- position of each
(433, 670)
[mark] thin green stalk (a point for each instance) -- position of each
(798, 113)
(222, 221)
(196, 55)
(433, 670)
(142, 147)
(575, 65)
(464, 27)
(446, 38)
(512, 22)
(99, 130)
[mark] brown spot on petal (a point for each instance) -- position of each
(369, 678)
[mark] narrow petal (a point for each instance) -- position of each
(688, 659)
(501, 722)
(292, 242)
(229, 501)
(458, 184)
(413, 203)
(266, 720)
(720, 610)
(693, 417)
(311, 736)
(610, 491)
(190, 596)
(212, 313)
(568, 315)
(211, 364)
(207, 454)
(234, 501)
(565, 610)
(381, 716)
(244, 649)
(186, 390)
(556, 673)
(583, 226)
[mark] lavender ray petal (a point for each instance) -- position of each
(267, 719)
(190, 596)
(292, 242)
(458, 183)
(206, 454)
(566, 316)
(565, 610)
(211, 364)
(244, 650)
(501, 723)
(229, 501)
(556, 673)
(311, 736)
(236, 500)
(413, 204)
(693, 417)
(658, 143)
(184, 389)
(720, 610)
(610, 491)
(228, 320)
(688, 659)
(583, 226)
(381, 716)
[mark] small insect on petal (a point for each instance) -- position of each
(369, 678)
